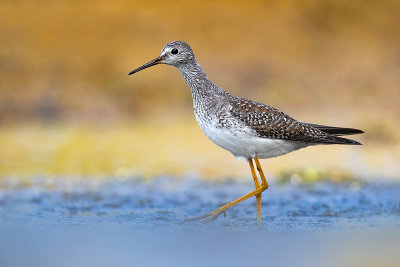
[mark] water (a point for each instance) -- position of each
(167, 201)
(138, 221)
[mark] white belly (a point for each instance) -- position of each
(246, 144)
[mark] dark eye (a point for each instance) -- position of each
(174, 51)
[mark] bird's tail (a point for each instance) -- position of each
(336, 131)
(332, 139)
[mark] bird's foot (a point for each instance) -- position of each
(209, 217)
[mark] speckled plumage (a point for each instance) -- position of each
(245, 128)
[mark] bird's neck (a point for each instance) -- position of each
(197, 79)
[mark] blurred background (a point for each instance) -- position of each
(68, 107)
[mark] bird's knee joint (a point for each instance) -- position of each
(264, 186)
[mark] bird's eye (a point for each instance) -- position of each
(174, 51)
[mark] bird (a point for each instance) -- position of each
(246, 128)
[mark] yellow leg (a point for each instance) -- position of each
(214, 215)
(258, 196)
(259, 189)
(264, 181)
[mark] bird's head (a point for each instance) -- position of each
(175, 53)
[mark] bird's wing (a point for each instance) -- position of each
(269, 122)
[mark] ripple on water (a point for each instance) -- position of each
(166, 200)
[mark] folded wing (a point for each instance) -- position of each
(271, 123)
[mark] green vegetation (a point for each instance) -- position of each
(311, 175)
(170, 148)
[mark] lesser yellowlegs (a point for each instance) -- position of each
(246, 128)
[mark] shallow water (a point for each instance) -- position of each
(167, 201)
(137, 217)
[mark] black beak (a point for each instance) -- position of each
(147, 65)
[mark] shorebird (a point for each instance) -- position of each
(246, 128)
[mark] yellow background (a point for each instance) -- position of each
(68, 107)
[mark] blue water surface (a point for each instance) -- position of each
(136, 222)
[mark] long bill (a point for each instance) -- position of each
(147, 65)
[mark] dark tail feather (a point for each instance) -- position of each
(341, 140)
(336, 131)
(327, 140)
